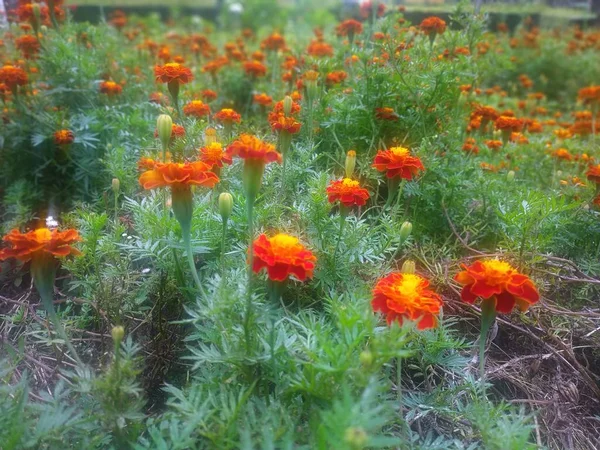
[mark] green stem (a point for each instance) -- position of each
(187, 241)
(250, 211)
(223, 236)
(488, 315)
(343, 214)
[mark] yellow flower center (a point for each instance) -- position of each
(283, 242)
(213, 151)
(399, 151)
(43, 235)
(347, 182)
(409, 286)
(497, 272)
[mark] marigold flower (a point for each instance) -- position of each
(281, 122)
(263, 99)
(196, 108)
(562, 153)
(493, 144)
(319, 49)
(228, 115)
(279, 108)
(177, 131)
(470, 146)
(40, 242)
(110, 88)
(173, 72)
(593, 174)
(335, 77)
(250, 147)
(255, 69)
(282, 256)
(348, 192)
(366, 9)
(499, 280)
(589, 95)
(398, 162)
(563, 133)
(213, 154)
(208, 95)
(13, 76)
(64, 137)
(145, 163)
(507, 123)
(386, 113)
(349, 28)
(28, 45)
(405, 296)
(433, 25)
(178, 175)
(274, 42)
(159, 98)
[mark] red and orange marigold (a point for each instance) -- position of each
(41, 242)
(386, 113)
(63, 137)
(178, 175)
(13, 76)
(173, 72)
(349, 28)
(282, 256)
(406, 296)
(398, 162)
(498, 280)
(262, 99)
(250, 147)
(589, 95)
(255, 69)
(593, 174)
(213, 154)
(196, 108)
(110, 88)
(433, 25)
(348, 192)
(281, 122)
(228, 115)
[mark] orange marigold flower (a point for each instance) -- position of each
(278, 108)
(470, 146)
(282, 255)
(386, 113)
(563, 133)
(497, 279)
(279, 122)
(310, 75)
(562, 153)
(196, 108)
(173, 72)
(228, 115)
(398, 162)
(319, 49)
(493, 144)
(263, 99)
(178, 175)
(28, 45)
(507, 123)
(336, 77)
(250, 147)
(13, 76)
(208, 95)
(348, 192)
(349, 28)
(64, 137)
(433, 25)
(406, 296)
(110, 88)
(25, 12)
(273, 42)
(177, 131)
(593, 174)
(213, 154)
(487, 113)
(255, 68)
(40, 242)
(589, 94)
(366, 9)
(146, 163)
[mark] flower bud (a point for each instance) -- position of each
(117, 334)
(366, 358)
(210, 136)
(350, 163)
(405, 231)
(164, 125)
(408, 266)
(287, 105)
(356, 437)
(510, 176)
(36, 17)
(225, 205)
(116, 185)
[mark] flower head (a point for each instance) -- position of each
(433, 25)
(349, 27)
(178, 175)
(593, 174)
(64, 137)
(255, 69)
(386, 113)
(173, 72)
(273, 42)
(250, 147)
(110, 88)
(13, 76)
(262, 99)
(281, 122)
(282, 255)
(398, 162)
(497, 279)
(508, 123)
(348, 192)
(228, 115)
(589, 95)
(25, 246)
(213, 154)
(196, 108)
(405, 296)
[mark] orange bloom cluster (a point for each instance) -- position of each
(398, 162)
(213, 154)
(319, 49)
(493, 144)
(263, 99)
(348, 192)
(386, 113)
(228, 115)
(349, 28)
(208, 95)
(25, 246)
(178, 174)
(278, 108)
(589, 95)
(25, 12)
(281, 122)
(13, 76)
(507, 123)
(499, 280)
(366, 9)
(250, 147)
(173, 72)
(406, 296)
(593, 174)
(64, 137)
(282, 256)
(274, 42)
(562, 153)
(110, 88)
(28, 45)
(336, 77)
(255, 69)
(433, 25)
(196, 108)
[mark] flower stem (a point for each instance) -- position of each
(223, 236)
(343, 214)
(248, 314)
(488, 315)
(187, 241)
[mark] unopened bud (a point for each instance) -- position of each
(408, 266)
(287, 105)
(225, 205)
(116, 185)
(210, 136)
(117, 334)
(37, 13)
(510, 176)
(164, 125)
(350, 163)
(366, 358)
(356, 437)
(405, 231)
